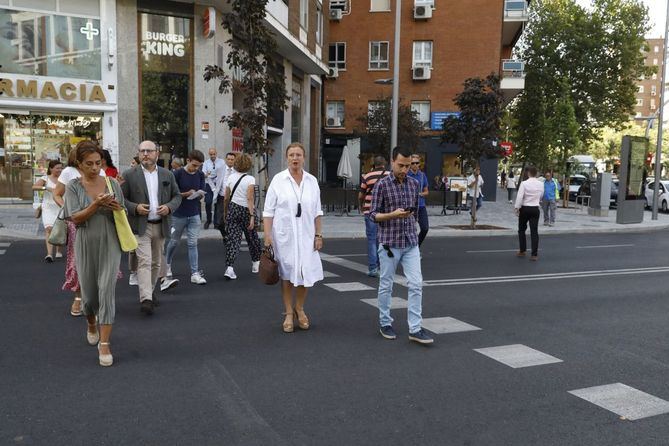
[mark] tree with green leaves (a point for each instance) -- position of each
(377, 121)
(262, 84)
(564, 131)
(476, 130)
(595, 54)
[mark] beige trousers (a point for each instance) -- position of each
(149, 259)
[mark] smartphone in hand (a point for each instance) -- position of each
(411, 209)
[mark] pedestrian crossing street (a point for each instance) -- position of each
(3, 248)
(625, 401)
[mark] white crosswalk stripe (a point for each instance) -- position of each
(445, 325)
(349, 286)
(623, 400)
(395, 302)
(328, 274)
(517, 355)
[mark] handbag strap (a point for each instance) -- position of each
(270, 252)
(232, 194)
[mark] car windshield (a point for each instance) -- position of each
(576, 181)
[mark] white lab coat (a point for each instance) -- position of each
(294, 236)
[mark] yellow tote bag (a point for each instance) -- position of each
(125, 236)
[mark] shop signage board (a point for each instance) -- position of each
(209, 22)
(49, 91)
(437, 119)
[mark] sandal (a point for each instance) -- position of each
(105, 360)
(92, 337)
(303, 321)
(75, 310)
(288, 327)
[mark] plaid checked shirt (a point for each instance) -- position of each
(389, 194)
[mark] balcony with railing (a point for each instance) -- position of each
(512, 78)
(515, 15)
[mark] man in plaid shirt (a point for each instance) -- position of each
(394, 208)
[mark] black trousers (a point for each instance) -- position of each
(529, 214)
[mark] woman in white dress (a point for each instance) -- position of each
(50, 208)
(292, 219)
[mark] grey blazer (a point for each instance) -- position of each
(136, 192)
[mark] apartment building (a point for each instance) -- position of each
(442, 44)
(121, 71)
(649, 91)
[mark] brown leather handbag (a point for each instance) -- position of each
(269, 268)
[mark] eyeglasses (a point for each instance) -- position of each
(415, 163)
(147, 151)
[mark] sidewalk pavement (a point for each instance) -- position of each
(17, 221)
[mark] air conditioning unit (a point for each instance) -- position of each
(421, 73)
(333, 73)
(333, 122)
(336, 14)
(422, 12)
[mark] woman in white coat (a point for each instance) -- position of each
(292, 219)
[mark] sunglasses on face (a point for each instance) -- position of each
(415, 163)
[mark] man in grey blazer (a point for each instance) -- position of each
(151, 195)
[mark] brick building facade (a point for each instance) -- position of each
(649, 91)
(442, 44)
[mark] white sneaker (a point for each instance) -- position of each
(197, 279)
(255, 267)
(230, 273)
(168, 283)
(132, 280)
(168, 270)
(59, 255)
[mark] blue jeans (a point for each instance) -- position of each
(423, 224)
(372, 246)
(192, 226)
(410, 260)
(479, 201)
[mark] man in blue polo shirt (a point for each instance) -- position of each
(549, 199)
(421, 216)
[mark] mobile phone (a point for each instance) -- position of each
(411, 209)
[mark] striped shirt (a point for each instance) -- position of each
(367, 186)
(389, 194)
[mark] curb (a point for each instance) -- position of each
(212, 234)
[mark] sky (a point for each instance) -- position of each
(657, 11)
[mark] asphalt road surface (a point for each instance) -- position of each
(570, 350)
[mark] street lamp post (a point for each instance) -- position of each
(396, 80)
(658, 150)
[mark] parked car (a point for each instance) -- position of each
(587, 186)
(663, 198)
(575, 182)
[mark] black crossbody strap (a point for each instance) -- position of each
(236, 184)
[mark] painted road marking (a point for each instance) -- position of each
(351, 255)
(548, 276)
(444, 325)
(624, 400)
(399, 279)
(602, 246)
(4, 245)
(395, 302)
(517, 355)
(2, 251)
(492, 250)
(328, 274)
(349, 286)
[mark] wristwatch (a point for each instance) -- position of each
(319, 235)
